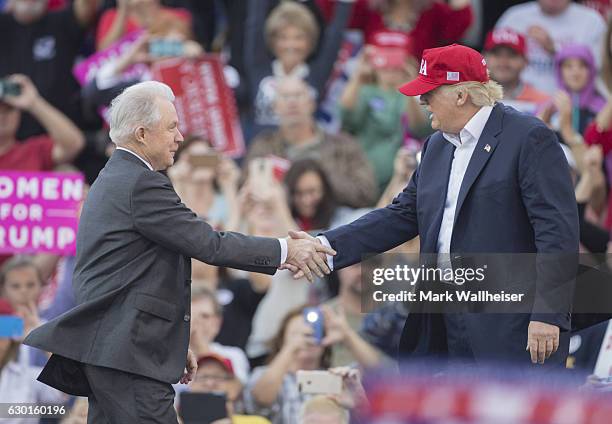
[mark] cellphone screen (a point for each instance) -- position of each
(202, 408)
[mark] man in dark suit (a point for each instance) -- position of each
(491, 180)
(127, 340)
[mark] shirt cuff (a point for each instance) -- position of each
(283, 246)
(330, 258)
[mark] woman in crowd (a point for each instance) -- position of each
(577, 100)
(312, 200)
(290, 33)
(21, 284)
(379, 116)
(18, 384)
(272, 390)
(132, 15)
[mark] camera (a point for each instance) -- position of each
(9, 88)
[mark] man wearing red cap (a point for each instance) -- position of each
(506, 55)
(490, 180)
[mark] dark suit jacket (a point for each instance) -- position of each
(132, 278)
(516, 198)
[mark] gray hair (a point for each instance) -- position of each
(136, 107)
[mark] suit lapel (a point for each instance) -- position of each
(442, 157)
(482, 152)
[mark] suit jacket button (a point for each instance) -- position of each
(187, 318)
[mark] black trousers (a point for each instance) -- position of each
(119, 397)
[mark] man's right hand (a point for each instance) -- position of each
(305, 255)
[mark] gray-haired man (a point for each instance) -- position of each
(127, 340)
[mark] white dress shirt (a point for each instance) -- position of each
(282, 241)
(464, 143)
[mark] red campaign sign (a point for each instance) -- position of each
(205, 104)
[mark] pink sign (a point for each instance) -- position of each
(86, 70)
(39, 211)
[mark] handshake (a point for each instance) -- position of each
(306, 255)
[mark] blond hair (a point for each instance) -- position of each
(324, 406)
(291, 14)
(481, 93)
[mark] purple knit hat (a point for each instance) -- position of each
(588, 97)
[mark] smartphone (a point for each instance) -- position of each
(204, 160)
(319, 382)
(202, 408)
(11, 327)
(160, 47)
(314, 317)
(9, 88)
(280, 166)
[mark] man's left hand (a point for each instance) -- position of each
(542, 341)
(191, 367)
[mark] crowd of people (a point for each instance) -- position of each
(328, 137)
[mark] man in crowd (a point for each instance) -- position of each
(548, 25)
(44, 45)
(506, 53)
(132, 278)
(298, 137)
(490, 180)
(61, 143)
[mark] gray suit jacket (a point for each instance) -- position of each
(132, 278)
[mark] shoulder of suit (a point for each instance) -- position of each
(515, 120)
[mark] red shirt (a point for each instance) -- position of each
(592, 136)
(33, 154)
(437, 26)
(108, 17)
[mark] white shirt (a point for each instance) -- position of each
(18, 385)
(282, 241)
(465, 144)
(578, 24)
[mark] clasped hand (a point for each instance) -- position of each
(306, 255)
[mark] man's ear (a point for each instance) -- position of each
(139, 134)
(462, 96)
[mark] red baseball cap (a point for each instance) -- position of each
(447, 65)
(507, 38)
(388, 57)
(221, 360)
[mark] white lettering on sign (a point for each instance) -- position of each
(72, 190)
(6, 187)
(42, 237)
(36, 237)
(32, 212)
(50, 188)
(46, 188)
(423, 69)
(28, 187)
(504, 36)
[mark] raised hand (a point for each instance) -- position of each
(305, 255)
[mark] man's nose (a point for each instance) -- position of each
(179, 137)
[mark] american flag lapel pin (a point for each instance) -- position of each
(487, 148)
